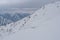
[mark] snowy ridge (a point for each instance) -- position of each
(13, 27)
(10, 28)
(40, 18)
(46, 24)
(44, 14)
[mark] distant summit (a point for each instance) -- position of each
(8, 18)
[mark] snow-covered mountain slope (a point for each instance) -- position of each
(44, 24)
(42, 16)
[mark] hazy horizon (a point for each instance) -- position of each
(24, 3)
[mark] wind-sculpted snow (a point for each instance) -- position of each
(46, 19)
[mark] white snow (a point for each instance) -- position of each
(44, 24)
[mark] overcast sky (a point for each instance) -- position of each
(24, 3)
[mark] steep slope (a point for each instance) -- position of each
(45, 14)
(45, 22)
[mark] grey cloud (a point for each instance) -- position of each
(26, 3)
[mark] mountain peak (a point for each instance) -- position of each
(46, 21)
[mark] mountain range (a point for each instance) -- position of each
(43, 24)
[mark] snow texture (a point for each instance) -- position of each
(44, 24)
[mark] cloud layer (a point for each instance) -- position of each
(24, 3)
